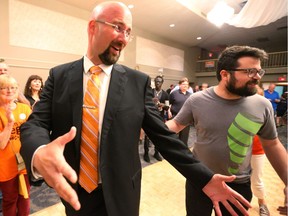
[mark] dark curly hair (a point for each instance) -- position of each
(229, 57)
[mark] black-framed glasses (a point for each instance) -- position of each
(118, 28)
(251, 72)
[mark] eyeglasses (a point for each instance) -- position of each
(6, 89)
(251, 72)
(118, 28)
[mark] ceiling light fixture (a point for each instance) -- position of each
(220, 14)
(172, 25)
(199, 38)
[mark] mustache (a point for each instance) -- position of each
(256, 82)
(117, 44)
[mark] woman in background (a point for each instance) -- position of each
(33, 89)
(13, 175)
(257, 165)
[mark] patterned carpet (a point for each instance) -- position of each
(44, 196)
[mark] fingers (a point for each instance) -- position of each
(66, 192)
(69, 173)
(217, 209)
(239, 198)
(230, 209)
(51, 164)
(282, 210)
(66, 138)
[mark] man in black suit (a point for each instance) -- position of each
(126, 106)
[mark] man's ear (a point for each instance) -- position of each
(224, 74)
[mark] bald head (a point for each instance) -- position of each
(271, 87)
(110, 9)
(3, 68)
(109, 32)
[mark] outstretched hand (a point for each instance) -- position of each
(218, 191)
(49, 161)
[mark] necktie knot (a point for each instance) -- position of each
(95, 70)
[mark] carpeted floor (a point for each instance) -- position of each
(44, 196)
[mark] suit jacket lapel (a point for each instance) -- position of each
(76, 98)
(114, 97)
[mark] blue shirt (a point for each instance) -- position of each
(271, 97)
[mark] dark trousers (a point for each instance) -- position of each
(146, 145)
(14, 204)
(198, 204)
(92, 204)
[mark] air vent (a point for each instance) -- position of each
(263, 39)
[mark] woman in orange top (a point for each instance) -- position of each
(13, 176)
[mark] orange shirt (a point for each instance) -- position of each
(257, 148)
(8, 164)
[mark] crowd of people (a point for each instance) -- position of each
(80, 131)
(15, 108)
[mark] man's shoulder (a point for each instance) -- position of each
(69, 65)
(129, 71)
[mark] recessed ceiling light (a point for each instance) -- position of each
(199, 38)
(172, 25)
(130, 6)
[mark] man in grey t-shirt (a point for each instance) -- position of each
(226, 118)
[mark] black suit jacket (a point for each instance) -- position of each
(129, 108)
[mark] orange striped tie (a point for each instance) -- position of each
(88, 176)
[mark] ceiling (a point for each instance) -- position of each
(155, 16)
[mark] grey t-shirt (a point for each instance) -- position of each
(225, 130)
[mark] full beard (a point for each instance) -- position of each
(107, 58)
(244, 91)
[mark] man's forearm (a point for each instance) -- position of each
(174, 126)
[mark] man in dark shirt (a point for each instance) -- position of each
(161, 99)
(177, 99)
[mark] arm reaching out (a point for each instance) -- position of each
(218, 191)
(49, 161)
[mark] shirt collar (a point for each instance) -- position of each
(88, 64)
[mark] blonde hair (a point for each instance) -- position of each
(7, 80)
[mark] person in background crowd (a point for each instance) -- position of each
(281, 118)
(204, 86)
(33, 89)
(196, 88)
(4, 69)
(170, 88)
(177, 99)
(257, 165)
(273, 97)
(226, 118)
(54, 139)
(14, 182)
(176, 88)
(160, 99)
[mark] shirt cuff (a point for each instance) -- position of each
(34, 172)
